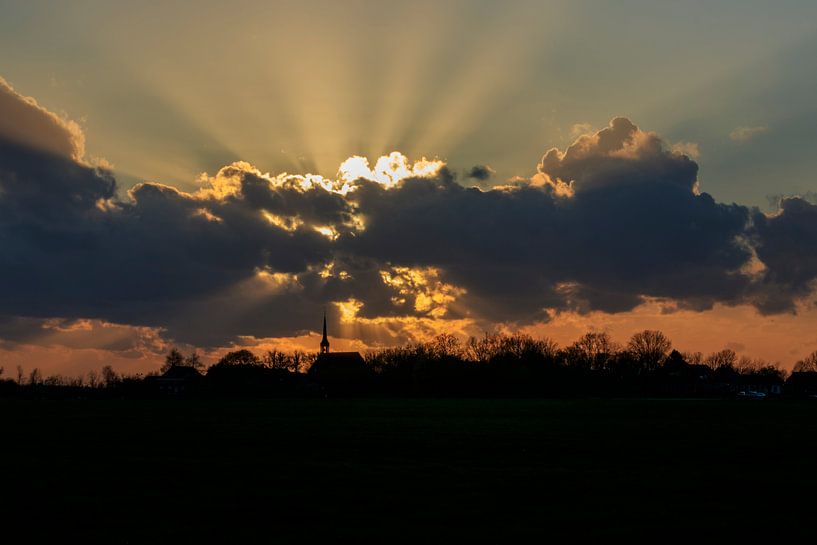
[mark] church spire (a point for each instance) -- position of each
(324, 341)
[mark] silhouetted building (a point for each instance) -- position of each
(338, 367)
(325, 341)
(802, 383)
(176, 380)
(766, 384)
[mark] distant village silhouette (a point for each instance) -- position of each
(515, 365)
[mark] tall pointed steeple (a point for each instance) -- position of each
(324, 341)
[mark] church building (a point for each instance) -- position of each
(337, 367)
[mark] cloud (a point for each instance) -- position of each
(395, 251)
(124, 340)
(786, 244)
(580, 129)
(690, 149)
(612, 219)
(29, 124)
(480, 172)
(618, 155)
(744, 134)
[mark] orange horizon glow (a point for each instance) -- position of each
(739, 328)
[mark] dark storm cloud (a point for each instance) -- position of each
(70, 251)
(290, 200)
(612, 219)
(480, 172)
(615, 218)
(207, 266)
(786, 244)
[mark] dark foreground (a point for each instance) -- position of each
(407, 471)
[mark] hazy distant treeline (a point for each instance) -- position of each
(495, 364)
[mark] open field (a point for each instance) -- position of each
(387, 471)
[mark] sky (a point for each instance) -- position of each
(213, 176)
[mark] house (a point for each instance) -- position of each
(177, 380)
(802, 383)
(763, 383)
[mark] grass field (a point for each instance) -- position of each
(407, 471)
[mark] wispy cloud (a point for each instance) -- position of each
(580, 129)
(743, 134)
(690, 149)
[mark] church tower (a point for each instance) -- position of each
(324, 341)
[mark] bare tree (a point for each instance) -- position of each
(305, 360)
(747, 366)
(725, 358)
(56, 380)
(593, 349)
(109, 376)
(35, 377)
(649, 347)
(444, 345)
(693, 358)
(20, 375)
(93, 379)
(807, 364)
(275, 359)
(478, 350)
(298, 360)
(194, 361)
(518, 346)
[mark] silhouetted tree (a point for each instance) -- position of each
(724, 358)
(444, 345)
(93, 378)
(276, 359)
(301, 360)
(758, 367)
(109, 376)
(592, 351)
(525, 347)
(56, 380)
(242, 372)
(497, 346)
(747, 366)
(807, 364)
(495, 364)
(240, 357)
(649, 348)
(693, 358)
(398, 359)
(174, 358)
(478, 350)
(194, 361)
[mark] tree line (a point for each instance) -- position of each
(494, 364)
